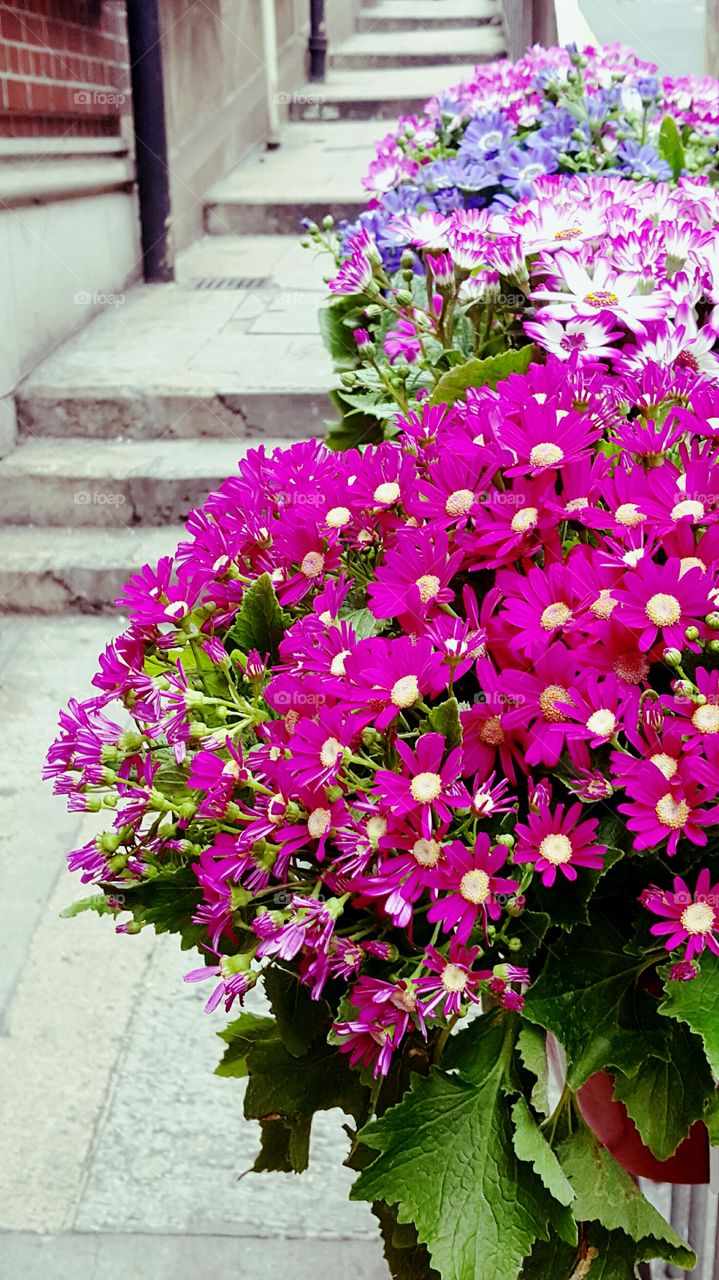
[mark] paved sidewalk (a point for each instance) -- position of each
(121, 1150)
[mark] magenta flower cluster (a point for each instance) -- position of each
(480, 637)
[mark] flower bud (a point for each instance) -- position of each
(712, 620)
(692, 634)
(404, 297)
(672, 657)
(507, 839)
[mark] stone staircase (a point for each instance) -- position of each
(129, 424)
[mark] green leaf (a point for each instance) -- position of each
(336, 335)
(354, 428)
(670, 146)
(284, 1148)
(606, 1193)
(611, 1255)
(531, 1145)
(260, 621)
(481, 373)
(532, 1049)
(300, 1019)
(283, 1085)
(240, 1036)
(364, 623)
(665, 1097)
(444, 719)
(475, 1050)
(446, 1159)
(697, 1004)
(586, 995)
(566, 902)
(529, 930)
(102, 904)
(168, 902)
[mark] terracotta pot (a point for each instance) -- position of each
(618, 1133)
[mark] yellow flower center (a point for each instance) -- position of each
(556, 849)
(672, 813)
(568, 233)
(601, 298)
(319, 822)
(524, 520)
(491, 731)
(602, 723)
(691, 562)
(698, 917)
(426, 852)
(548, 700)
(337, 665)
(546, 454)
(706, 718)
(453, 978)
(425, 787)
(631, 667)
(665, 763)
(474, 886)
(459, 502)
(387, 493)
(405, 691)
(629, 515)
(688, 507)
(338, 517)
(429, 586)
(313, 564)
(555, 615)
(604, 604)
(331, 750)
(577, 504)
(663, 610)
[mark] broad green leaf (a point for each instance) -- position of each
(566, 902)
(336, 335)
(481, 373)
(531, 1145)
(608, 1255)
(476, 1049)
(284, 1148)
(364, 623)
(607, 1194)
(260, 620)
(281, 1084)
(444, 719)
(529, 930)
(240, 1036)
(300, 1019)
(446, 1159)
(697, 1004)
(665, 1098)
(354, 429)
(670, 146)
(532, 1049)
(586, 995)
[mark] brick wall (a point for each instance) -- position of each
(63, 68)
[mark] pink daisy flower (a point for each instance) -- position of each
(453, 981)
(557, 841)
(662, 809)
(414, 578)
(659, 602)
(427, 786)
(471, 887)
(693, 919)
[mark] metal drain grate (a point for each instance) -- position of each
(231, 282)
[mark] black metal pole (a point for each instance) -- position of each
(318, 40)
(148, 105)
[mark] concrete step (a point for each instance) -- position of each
(417, 15)
(317, 170)
(174, 362)
(70, 484)
(51, 570)
(420, 48)
(375, 94)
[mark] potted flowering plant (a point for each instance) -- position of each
(422, 741)
(440, 268)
